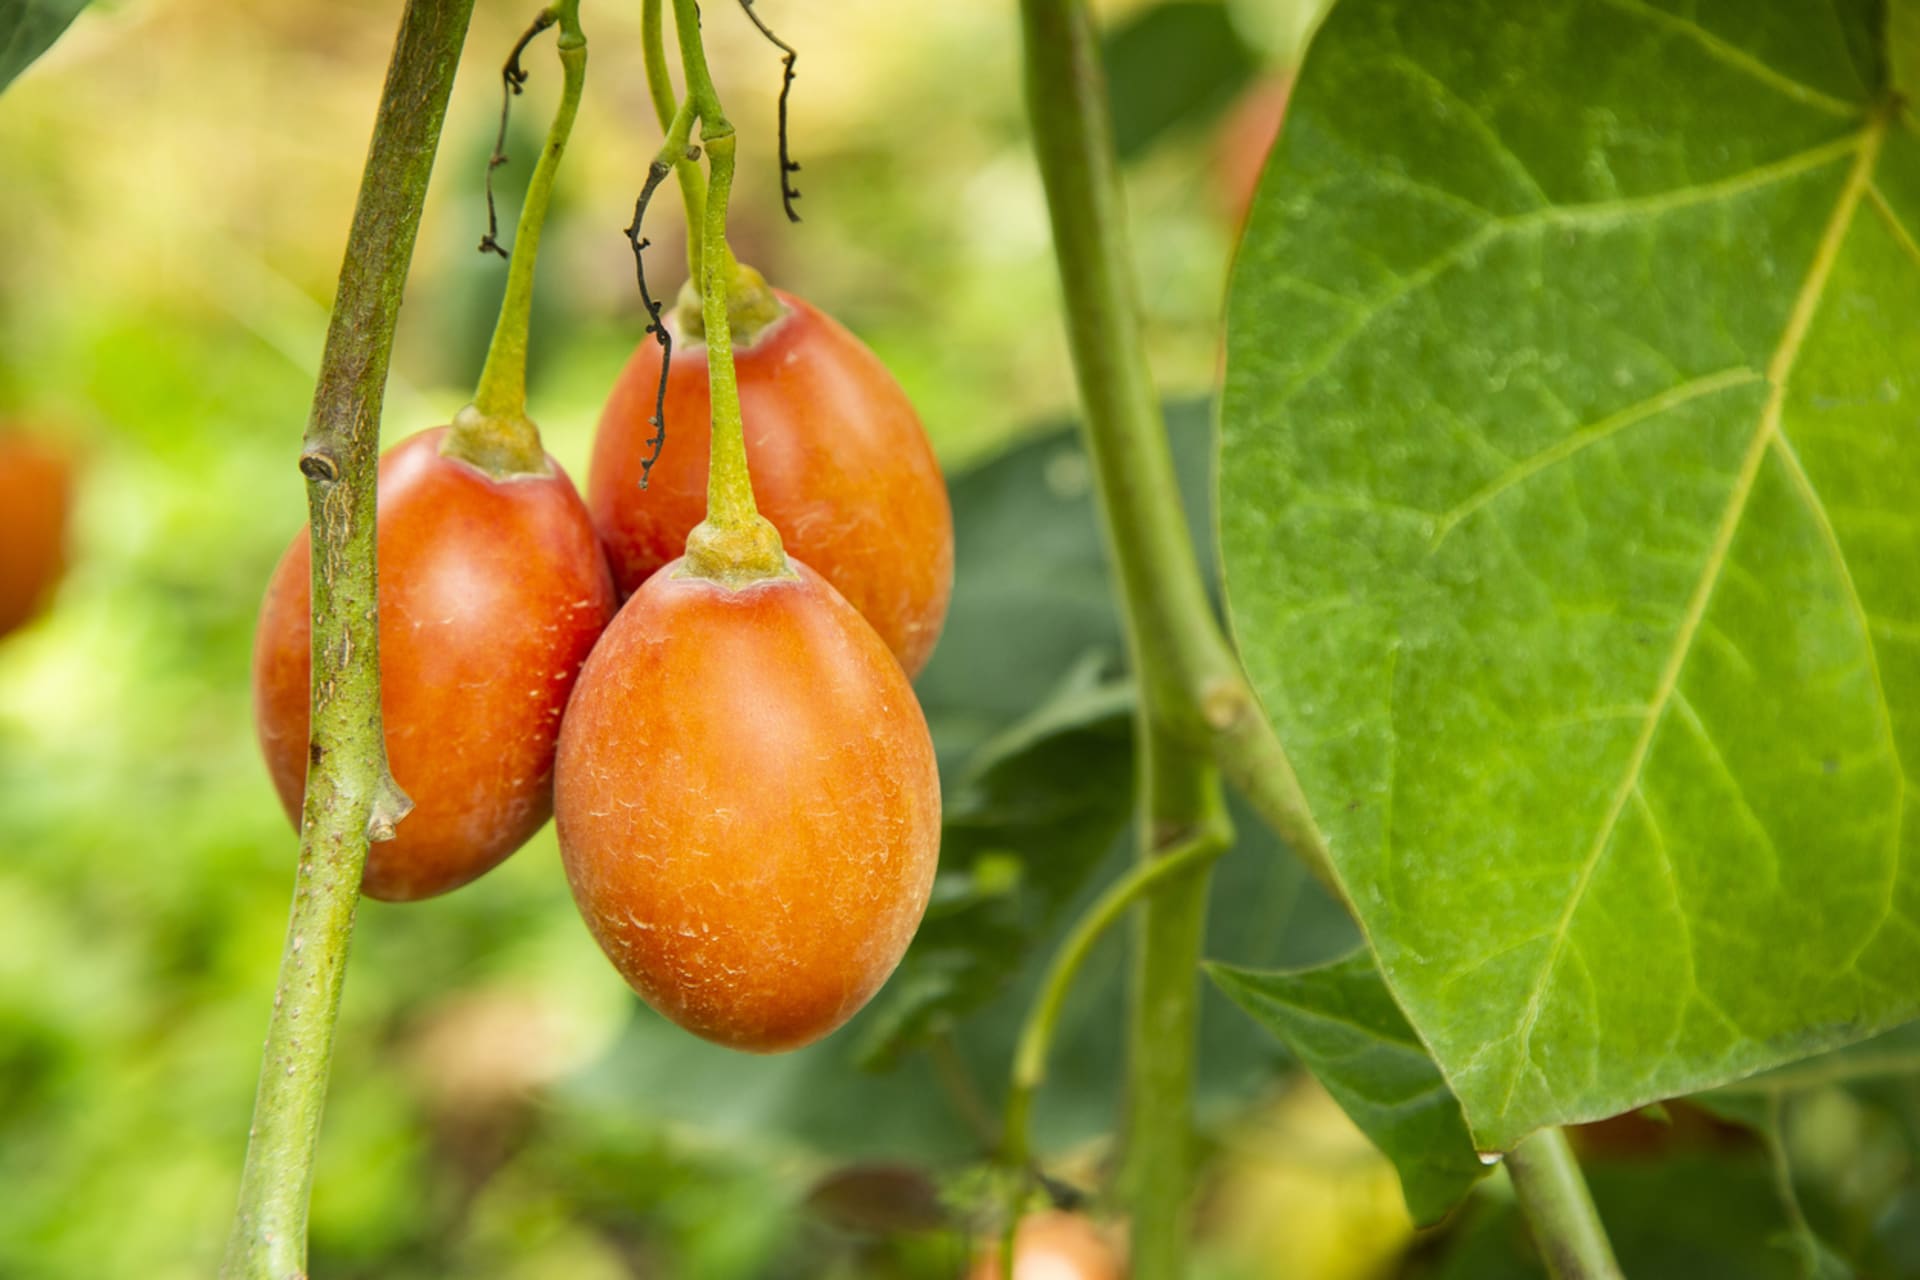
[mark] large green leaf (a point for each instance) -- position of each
(27, 28)
(1570, 507)
(1341, 1022)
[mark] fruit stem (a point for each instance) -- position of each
(735, 544)
(1554, 1197)
(693, 184)
(350, 795)
(494, 433)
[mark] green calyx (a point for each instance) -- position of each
(736, 555)
(500, 445)
(752, 307)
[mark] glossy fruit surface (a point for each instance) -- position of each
(36, 492)
(1055, 1246)
(492, 593)
(748, 806)
(841, 466)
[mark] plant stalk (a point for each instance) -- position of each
(735, 544)
(494, 433)
(1190, 677)
(1036, 1033)
(1554, 1197)
(693, 184)
(1186, 672)
(351, 797)
(502, 392)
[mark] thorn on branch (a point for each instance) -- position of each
(656, 174)
(788, 167)
(513, 78)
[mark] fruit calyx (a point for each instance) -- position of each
(736, 555)
(752, 308)
(501, 445)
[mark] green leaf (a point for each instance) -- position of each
(28, 28)
(1569, 479)
(1891, 1055)
(1173, 64)
(1341, 1022)
(1903, 48)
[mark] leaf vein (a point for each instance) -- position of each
(1586, 437)
(1733, 56)
(1779, 368)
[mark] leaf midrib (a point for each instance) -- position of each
(1779, 369)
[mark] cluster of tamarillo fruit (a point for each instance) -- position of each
(744, 785)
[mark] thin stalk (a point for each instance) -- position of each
(1181, 801)
(693, 184)
(1554, 1197)
(1189, 676)
(735, 544)
(497, 434)
(351, 797)
(502, 392)
(1036, 1033)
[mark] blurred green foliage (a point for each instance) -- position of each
(181, 174)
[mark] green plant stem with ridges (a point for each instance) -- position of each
(351, 797)
(495, 433)
(1558, 1207)
(693, 184)
(735, 544)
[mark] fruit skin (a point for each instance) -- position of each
(492, 593)
(36, 495)
(1055, 1246)
(748, 806)
(841, 466)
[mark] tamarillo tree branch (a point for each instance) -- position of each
(351, 797)
(1558, 1207)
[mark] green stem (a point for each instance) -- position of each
(1559, 1208)
(496, 433)
(735, 544)
(1181, 800)
(350, 796)
(1189, 675)
(1195, 703)
(1036, 1034)
(693, 185)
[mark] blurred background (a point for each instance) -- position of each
(178, 179)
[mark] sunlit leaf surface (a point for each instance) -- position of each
(1570, 489)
